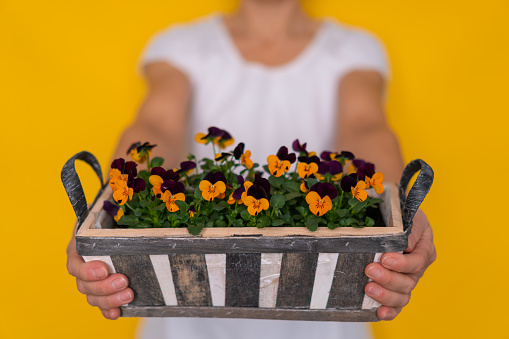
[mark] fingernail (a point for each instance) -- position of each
(125, 296)
(374, 291)
(388, 261)
(99, 272)
(385, 315)
(119, 283)
(374, 272)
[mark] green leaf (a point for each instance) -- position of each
(291, 186)
(209, 224)
(332, 225)
(351, 222)
(302, 210)
(360, 205)
(292, 195)
(156, 162)
(286, 217)
(197, 194)
(277, 201)
(342, 212)
(277, 222)
(238, 223)
(160, 207)
(245, 215)
(195, 229)
(220, 223)
(369, 222)
(128, 220)
(312, 223)
(144, 203)
(311, 182)
(221, 205)
(263, 222)
(276, 182)
(138, 212)
(182, 205)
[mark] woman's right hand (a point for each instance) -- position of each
(108, 292)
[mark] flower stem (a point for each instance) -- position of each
(148, 162)
(341, 199)
(127, 204)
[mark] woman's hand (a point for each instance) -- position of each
(108, 292)
(397, 274)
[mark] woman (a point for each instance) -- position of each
(268, 74)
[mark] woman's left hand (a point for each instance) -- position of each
(397, 274)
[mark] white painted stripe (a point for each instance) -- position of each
(269, 279)
(369, 302)
(104, 258)
(325, 268)
(216, 268)
(162, 268)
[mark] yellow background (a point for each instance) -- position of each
(68, 83)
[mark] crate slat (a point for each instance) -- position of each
(242, 279)
(347, 290)
(296, 280)
(191, 279)
(142, 279)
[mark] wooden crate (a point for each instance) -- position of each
(272, 273)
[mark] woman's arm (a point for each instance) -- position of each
(362, 129)
(161, 120)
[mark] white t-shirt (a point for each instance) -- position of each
(265, 107)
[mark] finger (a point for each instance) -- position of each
(385, 296)
(420, 224)
(90, 271)
(111, 301)
(393, 281)
(113, 284)
(112, 314)
(388, 313)
(416, 262)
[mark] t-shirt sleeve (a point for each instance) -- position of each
(173, 45)
(364, 51)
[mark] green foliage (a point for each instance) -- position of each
(287, 206)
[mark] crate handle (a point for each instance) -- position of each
(410, 204)
(72, 183)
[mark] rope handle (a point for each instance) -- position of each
(73, 187)
(410, 204)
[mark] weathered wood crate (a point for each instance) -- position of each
(272, 273)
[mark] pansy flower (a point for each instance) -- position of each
(216, 135)
(222, 156)
(236, 195)
(213, 185)
(244, 157)
(122, 192)
(301, 149)
(255, 198)
(172, 191)
(341, 157)
(320, 198)
(350, 183)
(375, 179)
(160, 175)
(333, 168)
(187, 167)
(113, 210)
(281, 162)
(140, 152)
(307, 166)
(225, 140)
(304, 186)
(191, 211)
(121, 170)
(355, 165)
